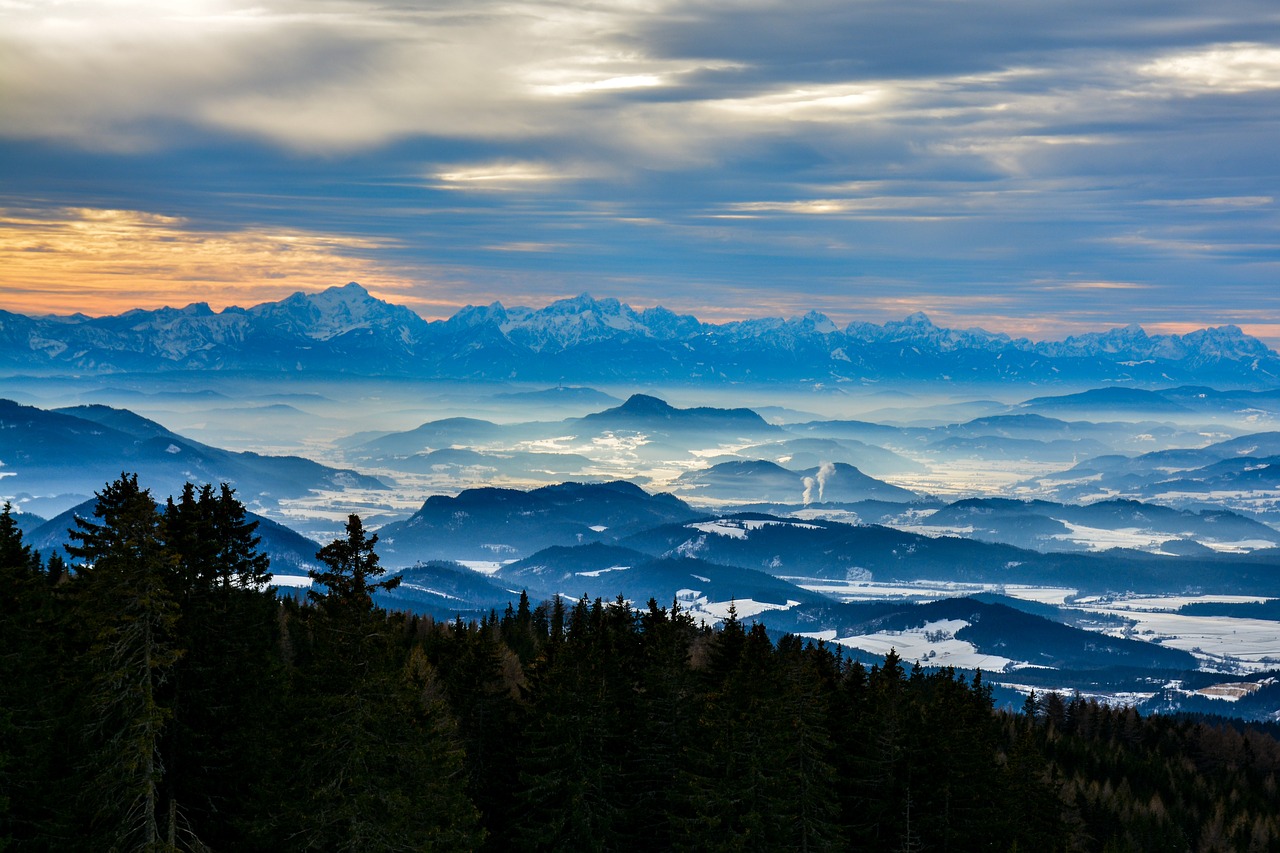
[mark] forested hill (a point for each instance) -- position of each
(155, 695)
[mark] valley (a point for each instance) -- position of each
(1099, 511)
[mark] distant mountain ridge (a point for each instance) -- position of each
(65, 455)
(346, 330)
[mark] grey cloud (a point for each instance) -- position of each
(921, 38)
(817, 149)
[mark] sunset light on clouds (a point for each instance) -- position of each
(1037, 169)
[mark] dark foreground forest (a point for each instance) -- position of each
(156, 695)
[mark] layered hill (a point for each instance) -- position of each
(603, 571)
(1050, 526)
(1248, 465)
(76, 451)
(505, 524)
(761, 480)
(971, 633)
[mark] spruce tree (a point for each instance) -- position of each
(226, 688)
(20, 600)
(125, 604)
(378, 767)
(570, 770)
(347, 582)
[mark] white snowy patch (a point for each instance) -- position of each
(484, 567)
(499, 548)
(1055, 595)
(1221, 643)
(598, 572)
(746, 608)
(173, 448)
(720, 528)
(1166, 603)
(429, 591)
(1230, 692)
(1242, 546)
(1118, 699)
(1101, 539)
(933, 644)
(599, 528)
(737, 528)
(294, 581)
(857, 587)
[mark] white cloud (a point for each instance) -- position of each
(831, 102)
(1231, 68)
(499, 176)
(631, 81)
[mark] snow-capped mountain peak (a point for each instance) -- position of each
(346, 329)
(337, 311)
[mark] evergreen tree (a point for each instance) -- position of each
(571, 770)
(378, 770)
(21, 596)
(664, 727)
(484, 679)
(126, 606)
(226, 688)
(347, 583)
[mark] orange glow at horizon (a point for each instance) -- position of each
(100, 262)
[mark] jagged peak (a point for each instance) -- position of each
(819, 322)
(583, 302)
(349, 292)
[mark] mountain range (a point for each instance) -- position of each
(345, 330)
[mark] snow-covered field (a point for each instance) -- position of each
(932, 644)
(737, 528)
(1220, 643)
(484, 567)
(867, 590)
(1167, 603)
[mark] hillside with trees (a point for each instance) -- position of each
(157, 695)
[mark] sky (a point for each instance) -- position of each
(1039, 168)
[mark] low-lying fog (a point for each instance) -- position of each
(941, 442)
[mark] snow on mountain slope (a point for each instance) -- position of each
(345, 329)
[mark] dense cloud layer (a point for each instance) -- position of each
(1038, 167)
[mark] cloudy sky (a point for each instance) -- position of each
(1040, 168)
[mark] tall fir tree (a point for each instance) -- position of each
(125, 603)
(226, 688)
(21, 594)
(376, 761)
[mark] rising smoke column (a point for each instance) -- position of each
(825, 470)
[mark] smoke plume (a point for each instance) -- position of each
(825, 470)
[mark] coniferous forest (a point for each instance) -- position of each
(157, 695)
